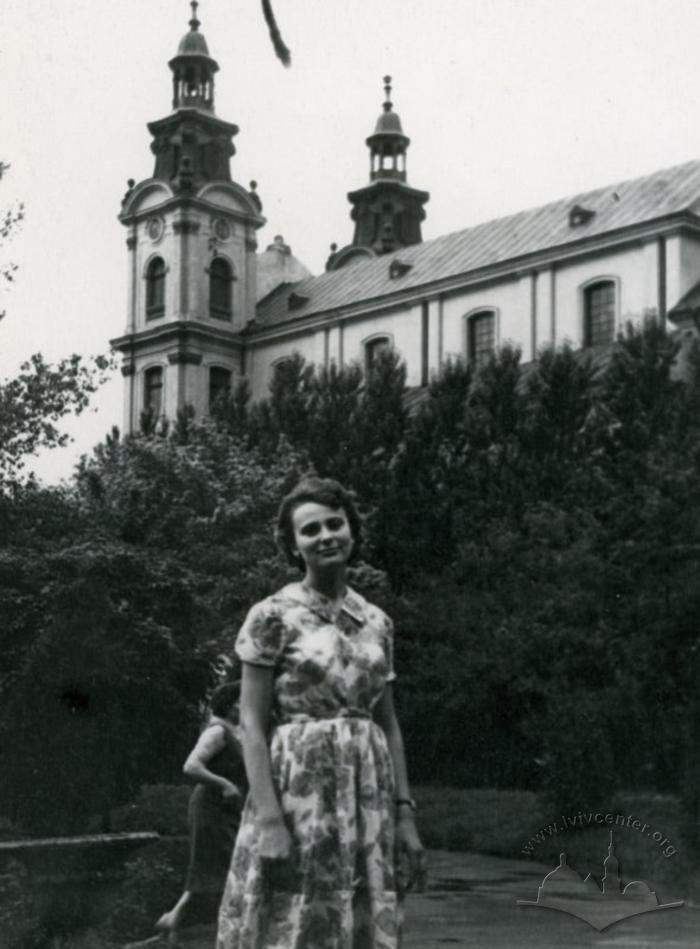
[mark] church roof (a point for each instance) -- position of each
(560, 224)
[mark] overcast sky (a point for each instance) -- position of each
(508, 103)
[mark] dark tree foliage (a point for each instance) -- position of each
(539, 527)
(121, 596)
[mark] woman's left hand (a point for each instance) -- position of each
(410, 853)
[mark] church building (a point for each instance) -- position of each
(205, 309)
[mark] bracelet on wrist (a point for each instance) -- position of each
(407, 802)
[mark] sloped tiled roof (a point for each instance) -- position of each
(641, 200)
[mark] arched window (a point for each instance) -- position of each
(219, 385)
(220, 285)
(153, 391)
(155, 288)
(599, 313)
(481, 337)
(373, 351)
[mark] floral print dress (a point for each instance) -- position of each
(334, 779)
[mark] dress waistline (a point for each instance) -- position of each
(343, 715)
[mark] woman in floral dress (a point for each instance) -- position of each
(329, 809)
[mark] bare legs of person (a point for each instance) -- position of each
(169, 923)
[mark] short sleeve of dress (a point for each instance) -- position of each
(260, 640)
(389, 648)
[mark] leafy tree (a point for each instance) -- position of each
(34, 401)
(10, 219)
(122, 595)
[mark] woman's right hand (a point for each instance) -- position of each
(230, 793)
(275, 841)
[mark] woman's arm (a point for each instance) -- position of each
(407, 839)
(274, 841)
(210, 742)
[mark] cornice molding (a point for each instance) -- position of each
(514, 268)
(184, 358)
(180, 332)
(194, 202)
(193, 114)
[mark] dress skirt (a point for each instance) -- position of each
(337, 890)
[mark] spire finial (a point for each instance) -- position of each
(194, 22)
(387, 92)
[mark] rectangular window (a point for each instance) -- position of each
(153, 391)
(599, 315)
(482, 338)
(219, 386)
(373, 352)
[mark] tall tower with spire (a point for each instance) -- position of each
(191, 247)
(387, 212)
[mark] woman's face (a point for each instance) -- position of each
(322, 536)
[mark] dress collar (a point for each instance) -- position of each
(353, 604)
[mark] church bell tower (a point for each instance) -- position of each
(191, 253)
(387, 212)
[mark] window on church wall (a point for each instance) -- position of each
(219, 386)
(220, 289)
(155, 288)
(599, 313)
(153, 391)
(481, 337)
(374, 349)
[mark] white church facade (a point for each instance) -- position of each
(205, 309)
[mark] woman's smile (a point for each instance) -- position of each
(321, 534)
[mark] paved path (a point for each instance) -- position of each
(471, 902)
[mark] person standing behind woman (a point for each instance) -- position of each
(214, 811)
(329, 815)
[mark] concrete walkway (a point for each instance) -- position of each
(471, 902)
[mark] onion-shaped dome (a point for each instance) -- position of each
(193, 43)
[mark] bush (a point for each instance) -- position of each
(154, 881)
(19, 923)
(158, 807)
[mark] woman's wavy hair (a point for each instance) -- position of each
(324, 491)
(224, 697)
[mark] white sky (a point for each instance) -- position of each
(508, 103)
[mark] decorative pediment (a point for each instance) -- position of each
(147, 194)
(230, 196)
